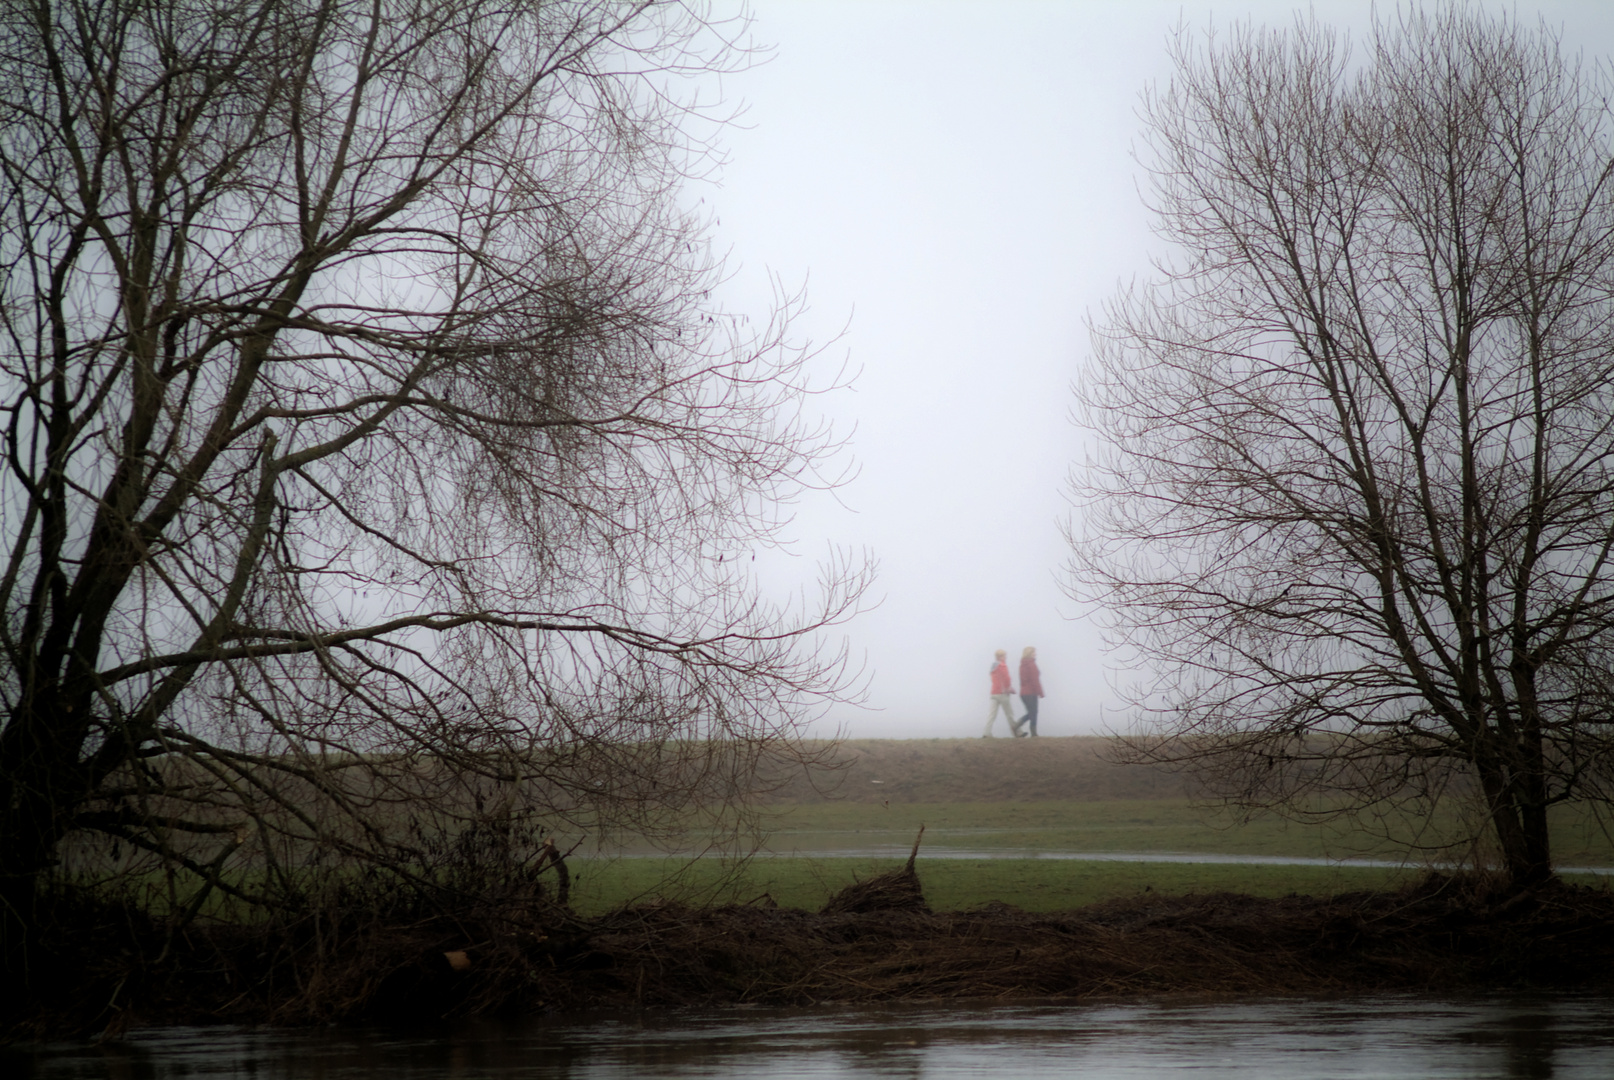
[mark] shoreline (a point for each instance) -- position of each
(874, 942)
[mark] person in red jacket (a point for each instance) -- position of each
(1002, 691)
(1030, 690)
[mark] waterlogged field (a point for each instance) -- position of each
(1000, 818)
(814, 850)
(1177, 826)
(949, 884)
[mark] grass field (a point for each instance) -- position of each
(816, 849)
(960, 884)
(1142, 825)
(1177, 826)
(1015, 800)
(949, 884)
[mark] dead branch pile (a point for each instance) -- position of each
(898, 890)
(1439, 935)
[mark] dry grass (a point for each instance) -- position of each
(1075, 768)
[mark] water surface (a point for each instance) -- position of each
(1409, 1038)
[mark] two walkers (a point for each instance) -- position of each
(1003, 691)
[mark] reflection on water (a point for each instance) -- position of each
(1506, 1038)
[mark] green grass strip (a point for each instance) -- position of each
(1140, 826)
(957, 884)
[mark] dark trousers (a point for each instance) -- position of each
(1030, 718)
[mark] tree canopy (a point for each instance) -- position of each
(373, 442)
(1354, 506)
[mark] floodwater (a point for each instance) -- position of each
(899, 851)
(1555, 1037)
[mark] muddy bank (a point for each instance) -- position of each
(1215, 944)
(1448, 934)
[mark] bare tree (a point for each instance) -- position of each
(1355, 506)
(373, 446)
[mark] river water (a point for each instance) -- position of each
(1554, 1037)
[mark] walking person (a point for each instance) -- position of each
(1002, 691)
(1030, 690)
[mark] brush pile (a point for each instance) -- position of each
(876, 941)
(897, 891)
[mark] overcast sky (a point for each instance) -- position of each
(954, 183)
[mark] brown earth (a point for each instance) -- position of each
(1075, 768)
(1440, 935)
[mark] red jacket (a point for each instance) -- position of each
(1030, 679)
(1000, 678)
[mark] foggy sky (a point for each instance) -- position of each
(954, 184)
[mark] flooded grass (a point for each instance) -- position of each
(1041, 885)
(1153, 825)
(1037, 885)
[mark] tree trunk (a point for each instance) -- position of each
(41, 783)
(1520, 824)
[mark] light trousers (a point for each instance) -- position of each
(1000, 701)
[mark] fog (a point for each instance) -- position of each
(954, 183)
